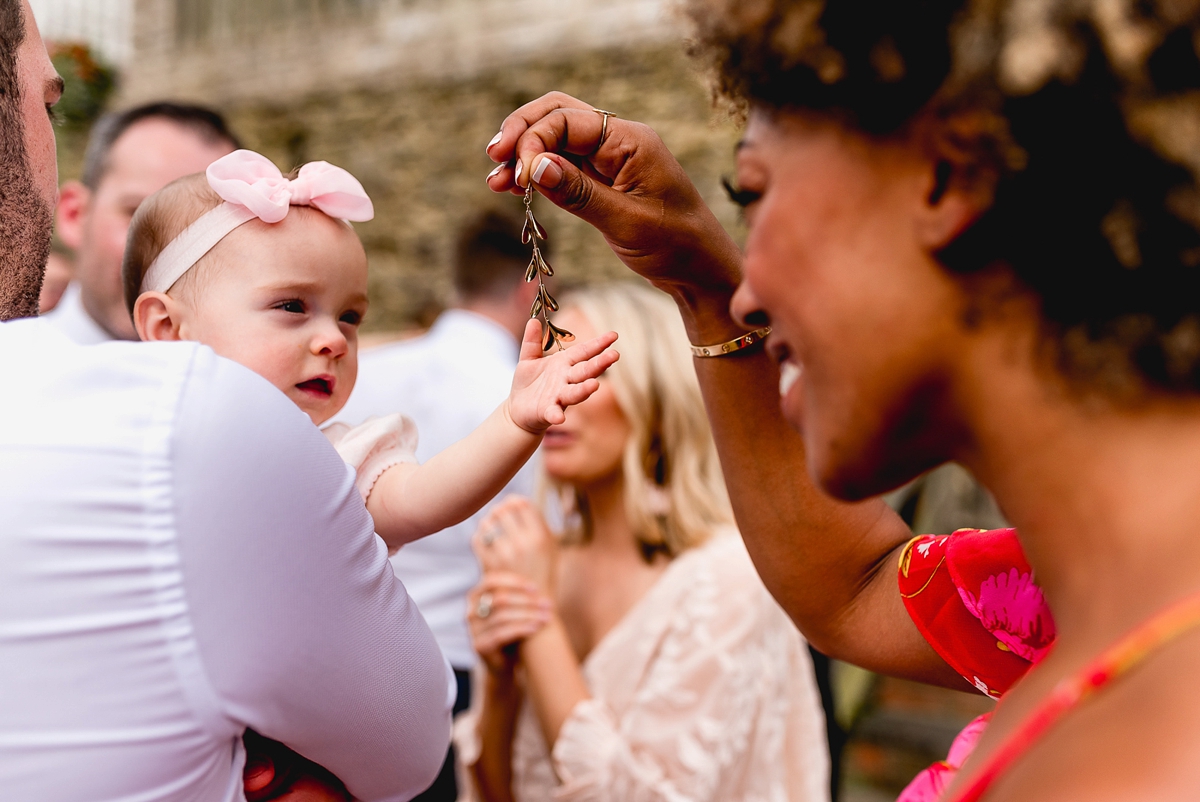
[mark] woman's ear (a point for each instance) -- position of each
(960, 177)
(949, 208)
(157, 317)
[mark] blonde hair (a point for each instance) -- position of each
(674, 492)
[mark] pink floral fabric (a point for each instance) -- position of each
(974, 597)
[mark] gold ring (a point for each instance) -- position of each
(484, 608)
(603, 125)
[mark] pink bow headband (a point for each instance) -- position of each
(252, 187)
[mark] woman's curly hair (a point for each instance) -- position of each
(1091, 113)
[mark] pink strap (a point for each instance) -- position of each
(252, 187)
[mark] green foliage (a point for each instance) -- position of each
(89, 84)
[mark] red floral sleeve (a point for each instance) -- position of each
(973, 597)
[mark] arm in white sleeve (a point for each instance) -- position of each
(304, 633)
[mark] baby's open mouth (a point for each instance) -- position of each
(319, 386)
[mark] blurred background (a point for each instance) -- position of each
(405, 94)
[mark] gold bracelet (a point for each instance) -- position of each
(736, 344)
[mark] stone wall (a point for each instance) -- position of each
(419, 152)
(417, 146)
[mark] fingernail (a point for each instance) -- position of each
(495, 171)
(548, 174)
(517, 173)
(495, 139)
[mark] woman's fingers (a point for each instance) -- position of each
(502, 148)
(488, 644)
(574, 131)
(499, 616)
(498, 581)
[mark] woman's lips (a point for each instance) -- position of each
(556, 438)
(321, 386)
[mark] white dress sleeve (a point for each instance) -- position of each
(726, 711)
(302, 629)
(374, 446)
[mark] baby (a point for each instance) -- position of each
(268, 272)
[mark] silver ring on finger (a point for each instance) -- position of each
(489, 537)
(484, 607)
(603, 126)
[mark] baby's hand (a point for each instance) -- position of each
(544, 386)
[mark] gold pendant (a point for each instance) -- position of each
(544, 303)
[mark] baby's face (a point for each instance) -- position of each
(286, 301)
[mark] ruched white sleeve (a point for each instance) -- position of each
(301, 628)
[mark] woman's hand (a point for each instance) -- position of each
(545, 385)
(514, 538)
(632, 190)
(502, 610)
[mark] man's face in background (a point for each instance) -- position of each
(146, 157)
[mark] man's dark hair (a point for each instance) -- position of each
(205, 123)
(25, 219)
(489, 259)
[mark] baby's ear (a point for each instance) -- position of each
(156, 316)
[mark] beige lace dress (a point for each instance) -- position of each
(703, 692)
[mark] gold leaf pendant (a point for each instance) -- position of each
(544, 303)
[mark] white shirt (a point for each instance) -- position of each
(448, 381)
(184, 555)
(73, 320)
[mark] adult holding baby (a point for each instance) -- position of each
(184, 555)
(969, 234)
(639, 658)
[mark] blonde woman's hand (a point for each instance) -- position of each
(545, 384)
(502, 610)
(514, 538)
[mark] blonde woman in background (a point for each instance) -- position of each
(638, 656)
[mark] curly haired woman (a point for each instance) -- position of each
(974, 228)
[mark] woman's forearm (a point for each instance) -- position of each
(411, 501)
(496, 729)
(553, 678)
(831, 565)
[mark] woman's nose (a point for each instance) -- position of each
(745, 308)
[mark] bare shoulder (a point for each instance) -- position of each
(1135, 741)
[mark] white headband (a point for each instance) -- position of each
(253, 187)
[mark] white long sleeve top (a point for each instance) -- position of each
(184, 555)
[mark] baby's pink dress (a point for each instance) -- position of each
(374, 446)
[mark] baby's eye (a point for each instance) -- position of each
(351, 317)
(294, 306)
